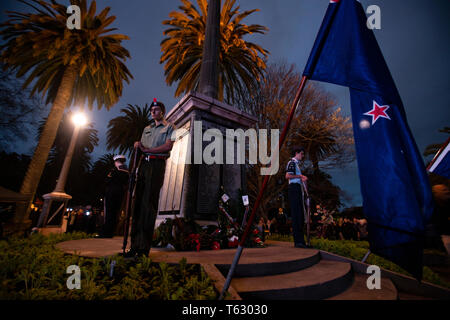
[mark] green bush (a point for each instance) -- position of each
(33, 269)
(356, 250)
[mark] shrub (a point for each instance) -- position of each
(32, 268)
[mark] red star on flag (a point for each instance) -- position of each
(377, 112)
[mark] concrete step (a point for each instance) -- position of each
(254, 262)
(320, 281)
(282, 262)
(359, 291)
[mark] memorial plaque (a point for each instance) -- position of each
(191, 189)
(170, 194)
(208, 186)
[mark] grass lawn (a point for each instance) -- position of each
(356, 250)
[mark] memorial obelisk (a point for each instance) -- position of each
(209, 70)
(192, 189)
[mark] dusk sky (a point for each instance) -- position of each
(414, 39)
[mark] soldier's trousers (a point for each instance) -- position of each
(149, 183)
(113, 204)
(296, 204)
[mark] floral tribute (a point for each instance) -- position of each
(186, 235)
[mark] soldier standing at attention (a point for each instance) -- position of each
(156, 144)
(295, 177)
(116, 184)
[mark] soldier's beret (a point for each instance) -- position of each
(159, 104)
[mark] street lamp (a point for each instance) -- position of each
(79, 121)
(59, 194)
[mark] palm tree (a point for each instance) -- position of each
(123, 131)
(103, 165)
(66, 66)
(240, 66)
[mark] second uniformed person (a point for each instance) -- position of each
(116, 184)
(156, 144)
(295, 177)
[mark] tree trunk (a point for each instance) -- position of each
(37, 164)
(315, 163)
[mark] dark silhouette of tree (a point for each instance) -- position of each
(18, 112)
(12, 169)
(433, 148)
(97, 179)
(322, 191)
(124, 130)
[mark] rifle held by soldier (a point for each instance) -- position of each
(130, 196)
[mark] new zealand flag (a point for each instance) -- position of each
(395, 189)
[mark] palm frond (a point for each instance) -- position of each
(40, 47)
(241, 63)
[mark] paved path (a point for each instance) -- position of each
(92, 248)
(275, 252)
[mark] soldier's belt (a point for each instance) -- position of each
(150, 157)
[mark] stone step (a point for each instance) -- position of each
(283, 262)
(254, 262)
(359, 291)
(323, 280)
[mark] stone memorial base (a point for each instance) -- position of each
(191, 187)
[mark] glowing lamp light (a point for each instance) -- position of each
(79, 119)
(364, 124)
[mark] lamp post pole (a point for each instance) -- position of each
(59, 194)
(61, 183)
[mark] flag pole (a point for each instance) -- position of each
(261, 191)
(436, 156)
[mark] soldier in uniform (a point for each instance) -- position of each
(116, 184)
(156, 143)
(295, 177)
